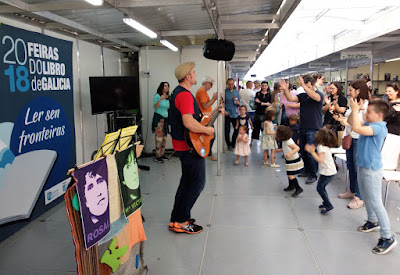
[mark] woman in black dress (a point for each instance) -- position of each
(262, 101)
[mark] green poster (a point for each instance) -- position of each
(128, 175)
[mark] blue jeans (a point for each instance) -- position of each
(370, 183)
(307, 136)
(251, 116)
(323, 181)
(352, 166)
(192, 183)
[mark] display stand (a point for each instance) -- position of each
(121, 250)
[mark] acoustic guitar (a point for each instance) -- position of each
(200, 141)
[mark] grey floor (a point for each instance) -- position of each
(251, 227)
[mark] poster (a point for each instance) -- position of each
(36, 115)
(129, 180)
(92, 189)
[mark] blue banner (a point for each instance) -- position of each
(36, 121)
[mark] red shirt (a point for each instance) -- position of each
(185, 105)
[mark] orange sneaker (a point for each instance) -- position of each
(188, 227)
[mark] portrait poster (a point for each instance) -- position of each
(129, 180)
(92, 189)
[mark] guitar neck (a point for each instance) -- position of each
(213, 118)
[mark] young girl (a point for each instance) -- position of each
(244, 119)
(294, 163)
(242, 147)
(325, 139)
(268, 141)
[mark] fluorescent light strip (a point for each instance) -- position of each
(95, 2)
(137, 26)
(170, 46)
(394, 59)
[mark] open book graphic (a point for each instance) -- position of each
(23, 183)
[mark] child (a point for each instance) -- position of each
(294, 163)
(369, 161)
(295, 128)
(244, 119)
(242, 147)
(325, 139)
(268, 141)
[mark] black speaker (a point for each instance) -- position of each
(219, 49)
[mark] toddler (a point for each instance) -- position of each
(244, 119)
(325, 139)
(268, 141)
(294, 163)
(242, 147)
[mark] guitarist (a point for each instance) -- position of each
(185, 114)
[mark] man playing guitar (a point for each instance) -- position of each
(185, 114)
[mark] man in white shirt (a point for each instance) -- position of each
(245, 96)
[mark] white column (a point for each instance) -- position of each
(221, 85)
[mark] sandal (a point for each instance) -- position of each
(236, 162)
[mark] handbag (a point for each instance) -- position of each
(346, 142)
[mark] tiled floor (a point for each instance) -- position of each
(251, 227)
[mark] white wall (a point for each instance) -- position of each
(90, 64)
(160, 62)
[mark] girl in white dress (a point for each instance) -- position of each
(268, 141)
(242, 147)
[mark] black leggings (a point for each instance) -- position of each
(258, 120)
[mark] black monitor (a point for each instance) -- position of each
(108, 94)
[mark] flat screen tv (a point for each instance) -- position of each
(108, 94)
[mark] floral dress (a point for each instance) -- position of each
(268, 142)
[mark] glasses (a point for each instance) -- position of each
(210, 83)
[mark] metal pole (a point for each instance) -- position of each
(80, 100)
(347, 77)
(371, 71)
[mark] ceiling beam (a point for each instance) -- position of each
(154, 3)
(250, 42)
(50, 6)
(250, 26)
(187, 32)
(244, 37)
(249, 17)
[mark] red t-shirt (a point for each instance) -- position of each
(185, 105)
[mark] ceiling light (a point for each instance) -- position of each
(95, 2)
(263, 39)
(167, 44)
(136, 25)
(257, 49)
(394, 59)
(259, 45)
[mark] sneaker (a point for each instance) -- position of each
(171, 224)
(159, 160)
(246, 164)
(188, 227)
(311, 180)
(230, 148)
(213, 158)
(326, 209)
(236, 162)
(303, 175)
(267, 163)
(321, 206)
(356, 203)
(384, 246)
(274, 165)
(346, 195)
(297, 192)
(164, 158)
(368, 227)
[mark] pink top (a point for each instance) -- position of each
(279, 98)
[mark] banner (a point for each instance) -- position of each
(36, 118)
